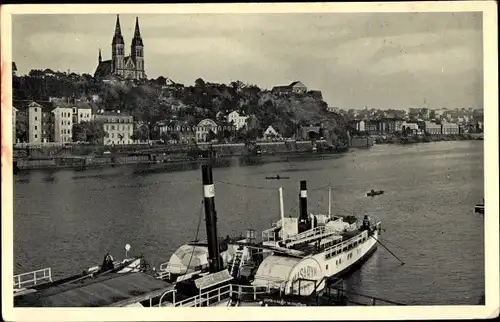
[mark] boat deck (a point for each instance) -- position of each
(108, 290)
(309, 249)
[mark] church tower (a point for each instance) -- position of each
(137, 51)
(117, 50)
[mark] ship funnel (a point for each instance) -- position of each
(210, 218)
(303, 217)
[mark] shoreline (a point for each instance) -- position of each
(228, 155)
(180, 164)
(392, 139)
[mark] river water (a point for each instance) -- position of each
(68, 220)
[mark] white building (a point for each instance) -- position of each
(35, 122)
(450, 128)
(203, 128)
(238, 120)
(118, 127)
(63, 124)
(82, 114)
(412, 126)
(271, 133)
(432, 128)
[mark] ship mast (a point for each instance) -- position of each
(282, 214)
(329, 202)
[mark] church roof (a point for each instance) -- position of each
(103, 69)
(129, 62)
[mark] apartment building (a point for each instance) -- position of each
(63, 124)
(119, 127)
(82, 113)
(34, 122)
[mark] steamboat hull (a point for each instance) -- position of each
(350, 260)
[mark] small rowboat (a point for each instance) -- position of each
(374, 193)
(479, 208)
(277, 178)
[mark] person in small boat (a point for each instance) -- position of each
(372, 192)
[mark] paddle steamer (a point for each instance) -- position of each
(297, 257)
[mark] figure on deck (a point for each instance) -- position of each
(107, 263)
(366, 222)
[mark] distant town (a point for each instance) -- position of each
(119, 105)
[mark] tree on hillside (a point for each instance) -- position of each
(162, 81)
(199, 83)
(22, 126)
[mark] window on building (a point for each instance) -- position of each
(36, 118)
(36, 136)
(36, 127)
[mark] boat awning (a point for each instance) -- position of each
(112, 290)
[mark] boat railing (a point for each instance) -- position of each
(215, 296)
(166, 267)
(346, 243)
(311, 232)
(268, 234)
(320, 233)
(207, 298)
(32, 278)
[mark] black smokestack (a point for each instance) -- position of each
(210, 218)
(303, 217)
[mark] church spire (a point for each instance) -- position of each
(100, 56)
(118, 29)
(137, 32)
(137, 40)
(118, 38)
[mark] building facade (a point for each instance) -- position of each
(433, 128)
(204, 128)
(82, 114)
(119, 128)
(35, 122)
(270, 133)
(130, 67)
(237, 119)
(63, 124)
(296, 87)
(450, 128)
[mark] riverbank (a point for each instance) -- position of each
(171, 156)
(393, 139)
(164, 162)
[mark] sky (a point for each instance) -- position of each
(378, 60)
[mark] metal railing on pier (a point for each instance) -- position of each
(32, 278)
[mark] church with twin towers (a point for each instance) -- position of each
(128, 67)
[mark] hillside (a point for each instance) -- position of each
(160, 99)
